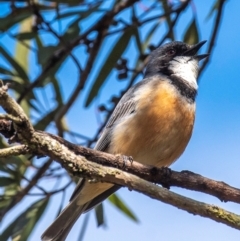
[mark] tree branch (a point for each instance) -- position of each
(88, 163)
(163, 176)
(14, 151)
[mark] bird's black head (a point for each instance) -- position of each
(161, 58)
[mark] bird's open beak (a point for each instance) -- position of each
(194, 49)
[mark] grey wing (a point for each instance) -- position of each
(122, 110)
(125, 107)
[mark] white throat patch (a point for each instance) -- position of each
(185, 67)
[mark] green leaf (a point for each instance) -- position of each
(26, 35)
(109, 64)
(44, 53)
(11, 190)
(99, 214)
(6, 169)
(117, 202)
(72, 31)
(5, 71)
(17, 67)
(10, 20)
(191, 35)
(138, 41)
(57, 91)
(21, 56)
(23, 225)
(69, 14)
(59, 100)
(18, 87)
(9, 165)
(39, 42)
(5, 181)
(213, 9)
(4, 203)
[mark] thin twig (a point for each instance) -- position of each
(214, 35)
(14, 151)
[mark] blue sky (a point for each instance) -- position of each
(212, 152)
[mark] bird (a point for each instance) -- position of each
(152, 123)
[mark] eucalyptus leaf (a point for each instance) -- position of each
(26, 35)
(23, 225)
(45, 52)
(213, 9)
(57, 91)
(17, 67)
(72, 31)
(5, 71)
(99, 213)
(111, 60)
(5, 181)
(117, 202)
(191, 35)
(10, 20)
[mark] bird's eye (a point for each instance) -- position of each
(171, 52)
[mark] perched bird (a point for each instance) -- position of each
(153, 123)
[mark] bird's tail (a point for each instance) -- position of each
(60, 228)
